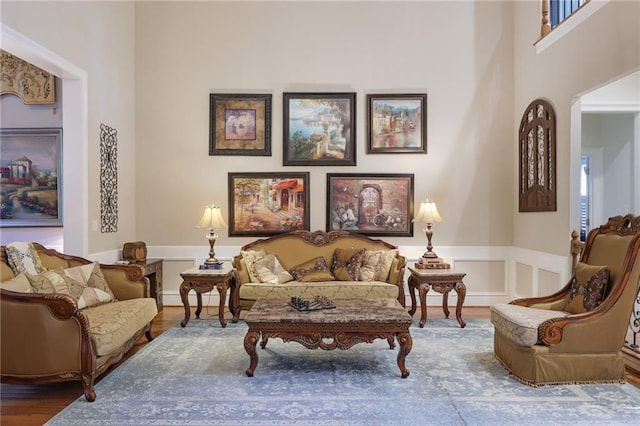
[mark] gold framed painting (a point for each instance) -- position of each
(240, 124)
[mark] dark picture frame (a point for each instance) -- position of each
(31, 177)
(262, 204)
(370, 204)
(319, 129)
(240, 124)
(396, 123)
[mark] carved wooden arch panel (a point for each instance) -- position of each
(537, 146)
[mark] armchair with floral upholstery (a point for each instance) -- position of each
(576, 335)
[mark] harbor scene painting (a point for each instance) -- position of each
(30, 169)
(319, 129)
(397, 123)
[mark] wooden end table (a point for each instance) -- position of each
(202, 281)
(352, 321)
(441, 281)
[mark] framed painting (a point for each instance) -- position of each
(239, 124)
(319, 129)
(31, 169)
(396, 123)
(268, 203)
(379, 204)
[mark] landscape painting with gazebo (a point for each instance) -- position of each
(263, 204)
(30, 173)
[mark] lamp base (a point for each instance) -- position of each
(212, 261)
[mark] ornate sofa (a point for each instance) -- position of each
(576, 335)
(50, 337)
(317, 263)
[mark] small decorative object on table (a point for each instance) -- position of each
(135, 252)
(211, 266)
(438, 263)
(319, 302)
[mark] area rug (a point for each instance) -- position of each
(195, 376)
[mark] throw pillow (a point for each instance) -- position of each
(312, 270)
(346, 264)
(250, 256)
(23, 257)
(19, 283)
(97, 280)
(56, 281)
(589, 287)
(269, 270)
(386, 260)
(91, 295)
(370, 265)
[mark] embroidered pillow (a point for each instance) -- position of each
(312, 270)
(19, 283)
(346, 264)
(386, 260)
(370, 265)
(589, 287)
(269, 270)
(250, 256)
(23, 257)
(56, 281)
(97, 280)
(91, 296)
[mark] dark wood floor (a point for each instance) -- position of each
(27, 405)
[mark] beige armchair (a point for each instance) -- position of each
(546, 340)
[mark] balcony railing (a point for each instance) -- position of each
(556, 11)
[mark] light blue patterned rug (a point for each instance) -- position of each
(195, 376)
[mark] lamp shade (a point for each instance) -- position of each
(428, 213)
(212, 218)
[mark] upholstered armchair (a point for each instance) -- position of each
(576, 335)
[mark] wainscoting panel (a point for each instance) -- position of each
(494, 274)
(524, 280)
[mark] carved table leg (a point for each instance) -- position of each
(250, 340)
(461, 290)
(406, 343)
(412, 292)
(199, 308)
(391, 340)
(423, 289)
(222, 291)
(184, 295)
(445, 302)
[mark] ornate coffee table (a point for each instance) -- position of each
(352, 321)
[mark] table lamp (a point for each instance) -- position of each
(212, 219)
(428, 214)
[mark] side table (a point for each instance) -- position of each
(441, 281)
(153, 271)
(201, 281)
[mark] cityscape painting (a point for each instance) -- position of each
(397, 124)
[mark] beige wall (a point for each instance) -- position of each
(96, 37)
(603, 48)
(459, 53)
